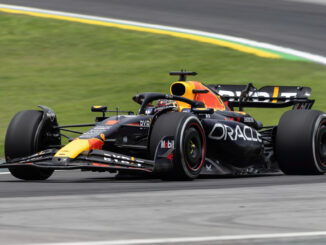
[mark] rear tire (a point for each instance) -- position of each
(23, 138)
(301, 142)
(189, 144)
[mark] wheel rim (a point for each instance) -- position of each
(194, 147)
(321, 144)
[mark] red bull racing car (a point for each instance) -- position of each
(196, 129)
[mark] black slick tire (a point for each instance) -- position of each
(23, 138)
(300, 145)
(189, 144)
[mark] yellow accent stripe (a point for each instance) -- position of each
(73, 149)
(202, 39)
(240, 112)
(275, 93)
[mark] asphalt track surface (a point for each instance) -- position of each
(78, 206)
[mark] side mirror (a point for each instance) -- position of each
(99, 108)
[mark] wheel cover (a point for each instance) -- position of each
(194, 147)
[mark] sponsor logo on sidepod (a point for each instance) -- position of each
(224, 132)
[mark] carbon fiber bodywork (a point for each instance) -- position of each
(236, 142)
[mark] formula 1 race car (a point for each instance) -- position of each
(194, 130)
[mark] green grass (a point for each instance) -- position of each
(69, 67)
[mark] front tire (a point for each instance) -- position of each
(301, 142)
(24, 137)
(189, 144)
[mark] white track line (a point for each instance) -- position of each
(305, 55)
(196, 239)
(321, 2)
(4, 173)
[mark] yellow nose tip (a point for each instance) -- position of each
(73, 149)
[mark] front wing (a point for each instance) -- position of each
(96, 160)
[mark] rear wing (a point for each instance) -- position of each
(265, 97)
